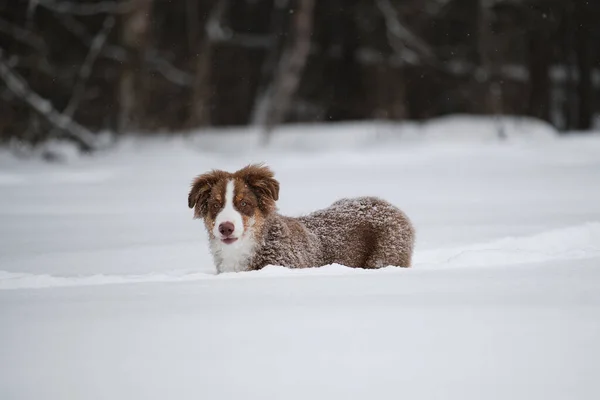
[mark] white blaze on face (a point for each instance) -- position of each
(229, 214)
(232, 257)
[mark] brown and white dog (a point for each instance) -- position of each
(246, 232)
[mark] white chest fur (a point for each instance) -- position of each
(233, 257)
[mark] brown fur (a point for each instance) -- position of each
(254, 185)
(364, 232)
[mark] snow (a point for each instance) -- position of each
(303, 138)
(107, 289)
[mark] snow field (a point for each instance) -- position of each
(107, 289)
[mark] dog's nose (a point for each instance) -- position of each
(226, 228)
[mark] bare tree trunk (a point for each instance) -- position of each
(540, 56)
(400, 39)
(33, 127)
(192, 16)
(290, 68)
(570, 96)
(134, 34)
(397, 95)
(483, 44)
(583, 50)
(199, 110)
(261, 101)
(199, 113)
(492, 95)
(388, 92)
(345, 101)
(491, 100)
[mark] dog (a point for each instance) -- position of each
(247, 233)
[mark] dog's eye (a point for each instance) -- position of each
(216, 206)
(243, 204)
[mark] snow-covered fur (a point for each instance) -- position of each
(246, 232)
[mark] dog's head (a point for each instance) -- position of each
(232, 205)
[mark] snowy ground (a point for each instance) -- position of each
(107, 288)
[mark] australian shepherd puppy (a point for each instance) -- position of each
(247, 233)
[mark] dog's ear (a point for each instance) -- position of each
(200, 192)
(261, 181)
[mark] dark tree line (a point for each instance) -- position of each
(72, 68)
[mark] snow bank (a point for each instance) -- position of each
(574, 243)
(366, 135)
(323, 138)
(11, 280)
(513, 333)
(467, 128)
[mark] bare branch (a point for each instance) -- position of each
(168, 70)
(80, 31)
(251, 41)
(290, 69)
(191, 23)
(31, 7)
(76, 8)
(221, 34)
(261, 102)
(23, 35)
(399, 36)
(214, 28)
(117, 53)
(42, 65)
(81, 135)
(86, 69)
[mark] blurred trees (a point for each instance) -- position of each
(149, 65)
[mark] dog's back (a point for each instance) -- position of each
(364, 232)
